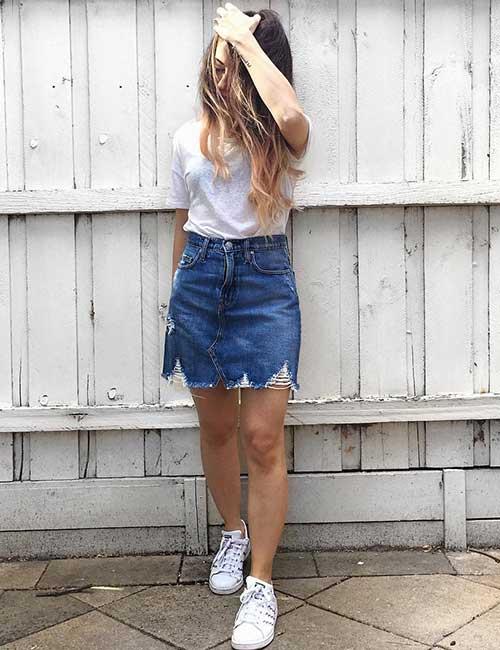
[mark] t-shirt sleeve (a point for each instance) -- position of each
(178, 196)
(309, 140)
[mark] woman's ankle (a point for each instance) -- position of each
(237, 526)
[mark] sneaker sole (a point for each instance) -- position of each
(252, 646)
(231, 590)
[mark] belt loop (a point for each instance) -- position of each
(204, 247)
(246, 245)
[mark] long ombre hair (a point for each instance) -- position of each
(242, 116)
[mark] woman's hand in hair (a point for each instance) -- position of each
(233, 25)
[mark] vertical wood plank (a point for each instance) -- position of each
(6, 360)
(349, 301)
(149, 309)
(347, 91)
(47, 103)
(317, 448)
(480, 284)
(83, 222)
(379, 78)
(494, 298)
(15, 180)
(415, 308)
(449, 444)
(87, 454)
(180, 452)
(130, 460)
(85, 310)
(117, 308)
(416, 444)
(80, 90)
(351, 446)
(152, 452)
(12, 66)
(5, 26)
(116, 237)
(413, 219)
(18, 323)
(495, 443)
(47, 106)
(479, 57)
(384, 445)
(481, 433)
(413, 90)
(448, 90)
(448, 323)
(148, 174)
(316, 261)
(6, 385)
(53, 455)
(51, 310)
(494, 211)
(494, 89)
(382, 300)
(6, 457)
(22, 463)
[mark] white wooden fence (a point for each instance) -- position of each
(394, 436)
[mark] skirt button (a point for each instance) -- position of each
(228, 245)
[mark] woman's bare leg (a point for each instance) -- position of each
(217, 410)
(262, 417)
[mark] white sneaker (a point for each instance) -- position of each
(256, 618)
(226, 572)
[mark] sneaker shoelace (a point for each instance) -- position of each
(257, 606)
(229, 557)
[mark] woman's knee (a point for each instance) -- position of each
(218, 413)
(262, 443)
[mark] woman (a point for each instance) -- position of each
(233, 318)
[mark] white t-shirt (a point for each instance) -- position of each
(219, 208)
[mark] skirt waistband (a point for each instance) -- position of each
(278, 240)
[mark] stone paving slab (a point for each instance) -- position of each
(21, 575)
(395, 600)
(112, 571)
(309, 627)
(470, 563)
(361, 563)
(100, 597)
(304, 587)
(287, 564)
(491, 581)
(92, 631)
(196, 568)
(493, 551)
(294, 564)
(421, 607)
(480, 634)
(22, 613)
(189, 616)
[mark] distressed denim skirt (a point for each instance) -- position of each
(233, 314)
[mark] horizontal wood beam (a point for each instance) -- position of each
(319, 497)
(346, 411)
(307, 194)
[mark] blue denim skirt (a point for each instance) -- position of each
(233, 314)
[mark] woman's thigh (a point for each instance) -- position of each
(262, 416)
(217, 408)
